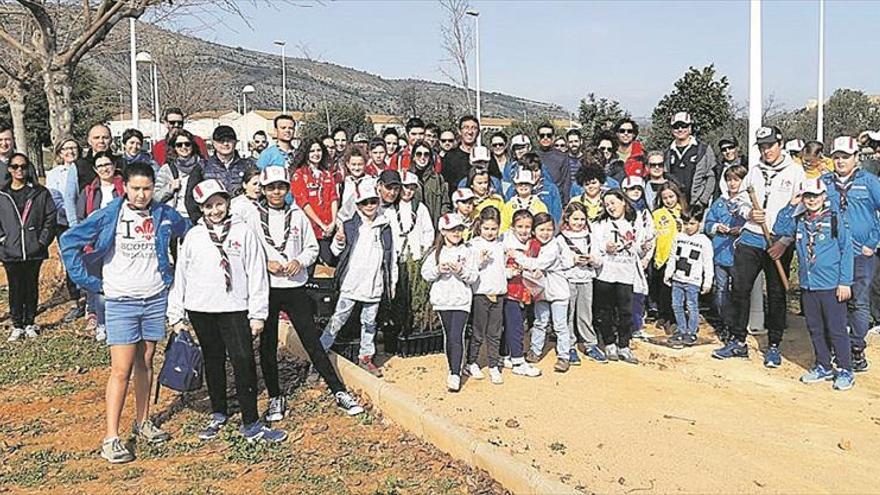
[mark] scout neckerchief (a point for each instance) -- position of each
(264, 223)
(572, 245)
(843, 185)
(769, 172)
(813, 226)
(218, 241)
(518, 203)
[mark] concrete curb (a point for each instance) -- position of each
(401, 408)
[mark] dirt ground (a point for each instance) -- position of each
(52, 416)
(679, 422)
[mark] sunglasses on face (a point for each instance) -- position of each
(447, 140)
(183, 144)
(497, 145)
(625, 131)
(656, 165)
(15, 166)
(545, 135)
(680, 126)
(175, 123)
(422, 154)
(604, 148)
(727, 148)
(370, 202)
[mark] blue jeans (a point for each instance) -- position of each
(95, 304)
(344, 307)
(721, 290)
(131, 320)
(825, 319)
(544, 312)
(859, 306)
(685, 296)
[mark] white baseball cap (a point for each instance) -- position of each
(795, 145)
(524, 176)
(273, 174)
(520, 140)
(364, 190)
(409, 179)
(632, 181)
(479, 154)
(207, 188)
(450, 221)
(813, 186)
(681, 117)
(845, 144)
(462, 194)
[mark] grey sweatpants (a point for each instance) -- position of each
(580, 314)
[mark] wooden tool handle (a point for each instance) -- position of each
(756, 205)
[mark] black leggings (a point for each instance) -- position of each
(453, 328)
(24, 286)
(660, 293)
(612, 312)
(298, 306)
(487, 326)
(221, 334)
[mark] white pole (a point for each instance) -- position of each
(244, 102)
(479, 106)
(156, 108)
(756, 99)
(283, 81)
(820, 101)
(135, 117)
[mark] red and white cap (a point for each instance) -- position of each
(409, 179)
(364, 190)
(632, 181)
(524, 176)
(462, 194)
(520, 140)
(813, 186)
(683, 117)
(273, 174)
(845, 144)
(450, 221)
(480, 154)
(794, 145)
(207, 188)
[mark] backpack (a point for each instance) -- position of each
(183, 367)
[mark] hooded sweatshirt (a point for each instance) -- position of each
(363, 278)
(725, 211)
(582, 243)
(285, 234)
(623, 266)
(492, 280)
(413, 230)
(775, 186)
(691, 261)
(553, 261)
(451, 291)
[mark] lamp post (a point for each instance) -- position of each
(476, 15)
(146, 58)
(756, 305)
(281, 43)
(134, 80)
(820, 109)
(248, 89)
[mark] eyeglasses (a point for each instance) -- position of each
(544, 135)
(70, 148)
(422, 154)
(175, 123)
(104, 164)
(370, 202)
(680, 125)
(728, 148)
(655, 164)
(497, 145)
(604, 148)
(183, 144)
(16, 167)
(447, 140)
(626, 131)
(561, 146)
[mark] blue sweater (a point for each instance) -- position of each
(831, 263)
(860, 214)
(98, 232)
(723, 211)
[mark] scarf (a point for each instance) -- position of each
(186, 165)
(813, 227)
(843, 186)
(264, 223)
(218, 241)
(769, 172)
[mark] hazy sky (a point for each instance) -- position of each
(559, 51)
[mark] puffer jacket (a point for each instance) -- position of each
(26, 235)
(434, 193)
(698, 181)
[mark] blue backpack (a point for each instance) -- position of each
(183, 367)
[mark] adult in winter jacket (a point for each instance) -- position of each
(629, 149)
(174, 120)
(691, 162)
(225, 165)
(132, 149)
(434, 193)
(181, 159)
(67, 152)
(7, 148)
(106, 187)
(99, 139)
(27, 227)
(556, 162)
(314, 190)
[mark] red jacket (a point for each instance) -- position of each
(634, 166)
(159, 148)
(516, 288)
(319, 192)
(91, 189)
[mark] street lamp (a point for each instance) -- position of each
(281, 43)
(248, 89)
(146, 58)
(476, 15)
(820, 110)
(134, 81)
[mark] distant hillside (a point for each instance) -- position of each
(201, 75)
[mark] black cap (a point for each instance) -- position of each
(768, 135)
(728, 141)
(224, 133)
(390, 178)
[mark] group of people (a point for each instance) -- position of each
(585, 240)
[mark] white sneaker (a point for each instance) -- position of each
(16, 334)
(495, 376)
(31, 331)
(508, 363)
(874, 329)
(453, 383)
(100, 333)
(526, 369)
(473, 370)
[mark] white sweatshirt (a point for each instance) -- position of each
(450, 291)
(363, 280)
(585, 242)
(623, 266)
(242, 206)
(347, 206)
(492, 279)
(783, 187)
(199, 281)
(301, 243)
(691, 261)
(413, 232)
(553, 262)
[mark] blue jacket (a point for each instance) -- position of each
(558, 165)
(860, 215)
(494, 184)
(831, 263)
(98, 233)
(508, 173)
(610, 183)
(274, 156)
(548, 193)
(723, 211)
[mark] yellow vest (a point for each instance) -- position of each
(593, 206)
(533, 204)
(666, 226)
(491, 200)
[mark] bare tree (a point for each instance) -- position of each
(458, 43)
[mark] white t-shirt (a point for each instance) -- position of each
(131, 269)
(106, 194)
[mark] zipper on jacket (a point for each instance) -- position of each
(20, 222)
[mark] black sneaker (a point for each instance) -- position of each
(689, 339)
(675, 340)
(859, 361)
